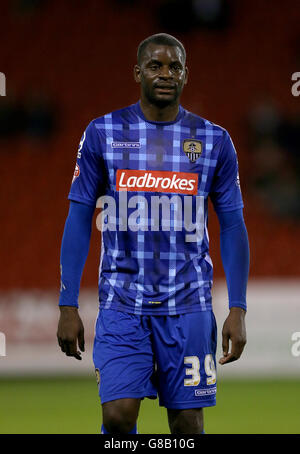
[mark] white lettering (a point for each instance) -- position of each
(2, 84)
(296, 346)
(140, 182)
(131, 179)
(171, 217)
(174, 182)
(192, 184)
(165, 183)
(138, 219)
(296, 86)
(106, 219)
(121, 180)
(158, 179)
(2, 345)
(183, 184)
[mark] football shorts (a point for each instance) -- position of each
(172, 356)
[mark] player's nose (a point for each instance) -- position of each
(165, 72)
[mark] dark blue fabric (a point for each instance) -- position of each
(74, 251)
(235, 255)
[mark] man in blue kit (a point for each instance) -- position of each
(151, 167)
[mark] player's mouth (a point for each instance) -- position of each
(165, 87)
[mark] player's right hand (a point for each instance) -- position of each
(70, 331)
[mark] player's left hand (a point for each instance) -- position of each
(234, 329)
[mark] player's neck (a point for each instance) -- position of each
(157, 113)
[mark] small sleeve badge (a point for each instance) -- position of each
(76, 172)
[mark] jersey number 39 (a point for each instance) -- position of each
(194, 371)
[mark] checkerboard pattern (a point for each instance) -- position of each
(146, 270)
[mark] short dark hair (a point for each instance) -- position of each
(160, 38)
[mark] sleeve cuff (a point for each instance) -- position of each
(68, 304)
(241, 304)
(64, 302)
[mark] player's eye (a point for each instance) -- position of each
(176, 68)
(154, 67)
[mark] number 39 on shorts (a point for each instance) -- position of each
(194, 371)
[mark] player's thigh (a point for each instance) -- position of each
(185, 349)
(123, 356)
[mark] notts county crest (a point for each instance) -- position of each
(192, 148)
(97, 372)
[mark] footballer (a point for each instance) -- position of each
(155, 164)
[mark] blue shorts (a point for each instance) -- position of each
(137, 356)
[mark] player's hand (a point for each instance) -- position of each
(234, 329)
(70, 331)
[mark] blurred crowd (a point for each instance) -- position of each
(273, 136)
(33, 116)
(274, 148)
(179, 16)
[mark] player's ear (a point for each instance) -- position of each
(186, 75)
(137, 73)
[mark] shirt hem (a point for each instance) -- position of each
(143, 311)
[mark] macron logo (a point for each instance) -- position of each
(126, 145)
(157, 181)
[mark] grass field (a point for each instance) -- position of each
(71, 405)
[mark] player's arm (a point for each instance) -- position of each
(227, 200)
(87, 185)
(74, 251)
(235, 258)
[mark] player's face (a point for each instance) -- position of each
(162, 74)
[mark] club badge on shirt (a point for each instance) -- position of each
(192, 148)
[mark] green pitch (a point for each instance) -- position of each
(70, 405)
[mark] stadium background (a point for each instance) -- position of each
(68, 62)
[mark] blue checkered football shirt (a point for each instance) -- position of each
(154, 260)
